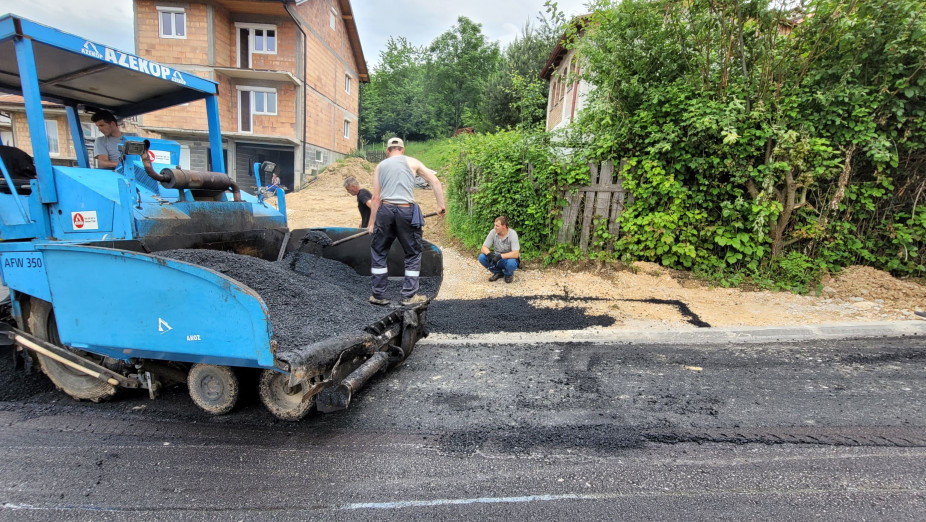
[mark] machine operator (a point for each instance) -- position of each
(106, 147)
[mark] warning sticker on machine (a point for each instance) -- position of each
(85, 220)
(159, 156)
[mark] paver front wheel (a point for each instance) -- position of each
(42, 324)
(284, 402)
(213, 388)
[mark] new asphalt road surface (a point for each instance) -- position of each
(830, 430)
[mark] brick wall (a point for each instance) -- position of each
(23, 138)
(66, 153)
(330, 58)
(190, 116)
(328, 54)
(194, 49)
(224, 38)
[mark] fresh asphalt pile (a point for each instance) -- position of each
(508, 314)
(690, 317)
(16, 384)
(310, 298)
(317, 237)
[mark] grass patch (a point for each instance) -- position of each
(436, 154)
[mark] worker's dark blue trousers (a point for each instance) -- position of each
(393, 223)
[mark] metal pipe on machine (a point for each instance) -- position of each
(337, 397)
(198, 180)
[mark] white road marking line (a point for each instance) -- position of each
(480, 500)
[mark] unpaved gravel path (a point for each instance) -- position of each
(640, 297)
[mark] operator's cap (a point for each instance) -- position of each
(395, 142)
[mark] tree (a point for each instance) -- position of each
(459, 65)
(515, 94)
(394, 102)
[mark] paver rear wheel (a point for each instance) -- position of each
(213, 388)
(284, 402)
(41, 323)
(410, 336)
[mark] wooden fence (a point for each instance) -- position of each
(604, 197)
(374, 156)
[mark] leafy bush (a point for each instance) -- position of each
(502, 185)
(763, 145)
(775, 143)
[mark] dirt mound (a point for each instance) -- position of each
(863, 283)
(325, 202)
(334, 175)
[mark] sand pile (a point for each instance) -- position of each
(325, 203)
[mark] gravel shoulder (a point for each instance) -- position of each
(642, 297)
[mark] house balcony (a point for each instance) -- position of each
(257, 74)
(255, 7)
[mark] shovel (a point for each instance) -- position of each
(365, 232)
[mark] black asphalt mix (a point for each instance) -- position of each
(507, 314)
(309, 298)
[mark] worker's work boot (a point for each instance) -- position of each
(413, 300)
(378, 300)
(509, 279)
(496, 277)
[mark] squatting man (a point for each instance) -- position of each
(501, 251)
(396, 215)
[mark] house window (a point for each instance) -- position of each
(255, 100)
(185, 157)
(255, 39)
(347, 128)
(6, 137)
(347, 83)
(51, 130)
(265, 102)
(319, 157)
(332, 16)
(265, 41)
(172, 22)
(91, 131)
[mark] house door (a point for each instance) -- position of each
(246, 155)
(244, 48)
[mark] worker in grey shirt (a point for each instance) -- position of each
(501, 251)
(396, 216)
(106, 147)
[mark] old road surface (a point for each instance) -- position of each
(830, 430)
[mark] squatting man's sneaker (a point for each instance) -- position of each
(509, 279)
(413, 300)
(496, 277)
(378, 301)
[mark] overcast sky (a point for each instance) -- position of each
(420, 21)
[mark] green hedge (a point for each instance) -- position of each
(503, 187)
